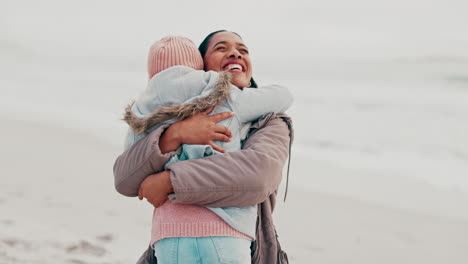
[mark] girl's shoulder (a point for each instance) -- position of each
(180, 72)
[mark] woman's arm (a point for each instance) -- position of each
(239, 178)
(254, 173)
(140, 160)
(148, 155)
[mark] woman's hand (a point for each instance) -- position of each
(199, 129)
(155, 188)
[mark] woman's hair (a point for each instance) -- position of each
(204, 47)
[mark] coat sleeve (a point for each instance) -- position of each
(250, 103)
(239, 178)
(140, 160)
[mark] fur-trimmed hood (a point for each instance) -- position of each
(180, 111)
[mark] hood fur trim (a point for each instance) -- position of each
(180, 111)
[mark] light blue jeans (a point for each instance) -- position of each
(201, 250)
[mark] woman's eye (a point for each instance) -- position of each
(244, 51)
(220, 48)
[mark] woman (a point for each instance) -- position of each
(210, 181)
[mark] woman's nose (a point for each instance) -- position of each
(235, 54)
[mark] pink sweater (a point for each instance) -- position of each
(182, 220)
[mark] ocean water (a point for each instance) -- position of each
(375, 117)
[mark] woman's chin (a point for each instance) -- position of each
(239, 81)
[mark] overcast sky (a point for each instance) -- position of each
(275, 31)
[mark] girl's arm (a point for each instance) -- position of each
(251, 103)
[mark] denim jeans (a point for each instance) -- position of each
(203, 250)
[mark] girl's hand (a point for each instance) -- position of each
(199, 129)
(155, 188)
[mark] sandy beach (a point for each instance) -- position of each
(58, 205)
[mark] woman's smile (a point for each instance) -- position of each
(234, 67)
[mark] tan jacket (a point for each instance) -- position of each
(211, 182)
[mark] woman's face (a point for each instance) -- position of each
(227, 52)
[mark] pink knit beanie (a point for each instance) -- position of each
(171, 51)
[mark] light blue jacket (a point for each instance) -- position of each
(180, 84)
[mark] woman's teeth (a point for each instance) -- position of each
(233, 67)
